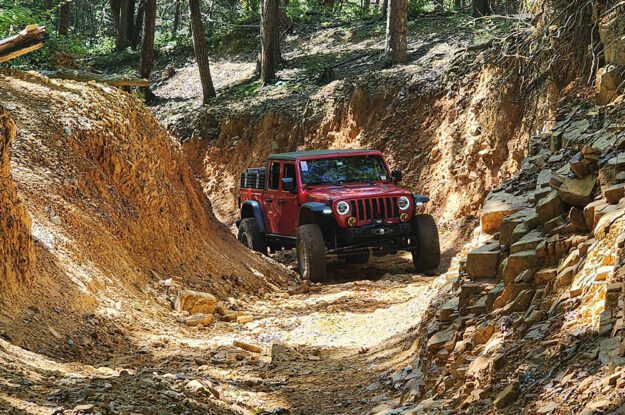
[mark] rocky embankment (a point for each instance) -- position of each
(535, 316)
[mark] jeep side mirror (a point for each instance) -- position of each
(397, 175)
(288, 184)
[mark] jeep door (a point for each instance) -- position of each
(270, 197)
(289, 202)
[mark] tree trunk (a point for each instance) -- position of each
(366, 4)
(174, 29)
(147, 47)
(396, 50)
(384, 8)
(122, 27)
(64, 18)
(131, 21)
(201, 52)
(115, 8)
(270, 40)
(138, 25)
(440, 6)
(481, 8)
(458, 5)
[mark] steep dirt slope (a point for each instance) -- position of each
(16, 249)
(115, 214)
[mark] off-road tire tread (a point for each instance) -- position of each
(258, 242)
(428, 257)
(313, 238)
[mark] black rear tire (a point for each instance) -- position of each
(311, 253)
(250, 236)
(428, 256)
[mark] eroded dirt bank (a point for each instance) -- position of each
(116, 218)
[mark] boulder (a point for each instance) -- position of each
(497, 206)
(614, 193)
(578, 192)
(195, 302)
(517, 263)
(549, 207)
(482, 262)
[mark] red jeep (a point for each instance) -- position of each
(334, 202)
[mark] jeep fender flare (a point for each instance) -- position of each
(314, 213)
(251, 209)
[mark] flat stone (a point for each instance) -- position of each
(578, 192)
(590, 209)
(517, 263)
(528, 242)
(526, 217)
(509, 293)
(545, 276)
(614, 193)
(549, 207)
(497, 206)
(482, 262)
(577, 219)
(448, 309)
(200, 320)
(520, 303)
(439, 339)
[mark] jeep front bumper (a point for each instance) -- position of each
(382, 238)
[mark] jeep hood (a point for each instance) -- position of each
(353, 191)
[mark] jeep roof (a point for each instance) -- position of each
(319, 153)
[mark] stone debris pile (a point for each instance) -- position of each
(536, 314)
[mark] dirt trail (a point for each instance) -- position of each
(324, 351)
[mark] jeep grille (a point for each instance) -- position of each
(378, 207)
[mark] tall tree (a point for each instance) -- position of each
(147, 47)
(201, 51)
(270, 40)
(481, 8)
(174, 29)
(396, 50)
(122, 26)
(138, 25)
(63, 28)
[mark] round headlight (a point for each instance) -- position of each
(403, 203)
(342, 208)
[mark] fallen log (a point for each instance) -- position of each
(119, 81)
(26, 41)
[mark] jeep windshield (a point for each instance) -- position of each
(339, 170)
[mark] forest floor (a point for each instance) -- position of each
(325, 349)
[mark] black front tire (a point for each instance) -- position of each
(250, 236)
(428, 256)
(311, 253)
